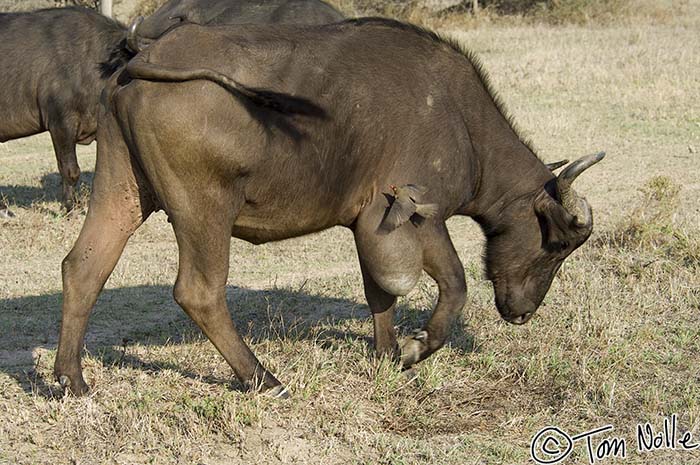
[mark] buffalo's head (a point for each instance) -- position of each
(172, 14)
(537, 232)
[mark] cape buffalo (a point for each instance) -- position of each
(53, 66)
(176, 13)
(269, 133)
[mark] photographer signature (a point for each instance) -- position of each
(552, 445)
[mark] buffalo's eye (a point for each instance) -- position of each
(558, 246)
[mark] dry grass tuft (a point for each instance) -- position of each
(652, 227)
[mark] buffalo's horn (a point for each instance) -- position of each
(132, 38)
(556, 165)
(574, 204)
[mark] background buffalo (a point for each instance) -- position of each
(53, 66)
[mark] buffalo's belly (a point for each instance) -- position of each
(16, 122)
(257, 224)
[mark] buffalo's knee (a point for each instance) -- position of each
(197, 301)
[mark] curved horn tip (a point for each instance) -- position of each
(556, 165)
(132, 37)
(569, 198)
(572, 171)
(591, 159)
(135, 23)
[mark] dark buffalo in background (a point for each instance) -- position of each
(54, 64)
(176, 13)
(302, 129)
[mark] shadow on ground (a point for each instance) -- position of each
(147, 315)
(50, 190)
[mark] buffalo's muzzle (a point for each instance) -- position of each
(520, 319)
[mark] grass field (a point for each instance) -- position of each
(617, 341)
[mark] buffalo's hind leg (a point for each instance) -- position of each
(441, 262)
(201, 283)
(63, 136)
(118, 205)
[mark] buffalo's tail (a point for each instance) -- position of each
(279, 102)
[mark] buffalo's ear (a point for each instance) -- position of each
(559, 227)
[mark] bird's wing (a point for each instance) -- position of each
(414, 190)
(400, 212)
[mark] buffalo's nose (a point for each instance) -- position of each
(520, 319)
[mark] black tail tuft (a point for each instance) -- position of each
(118, 57)
(285, 104)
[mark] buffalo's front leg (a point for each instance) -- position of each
(201, 284)
(63, 138)
(117, 207)
(441, 262)
(391, 265)
(382, 305)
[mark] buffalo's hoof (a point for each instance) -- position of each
(410, 375)
(278, 392)
(6, 214)
(413, 349)
(77, 389)
(69, 204)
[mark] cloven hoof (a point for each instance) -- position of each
(410, 375)
(64, 381)
(278, 392)
(78, 389)
(412, 349)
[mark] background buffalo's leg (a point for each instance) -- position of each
(201, 285)
(63, 137)
(382, 305)
(441, 262)
(116, 210)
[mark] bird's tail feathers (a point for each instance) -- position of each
(427, 210)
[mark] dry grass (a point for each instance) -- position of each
(527, 12)
(616, 341)
(25, 5)
(146, 7)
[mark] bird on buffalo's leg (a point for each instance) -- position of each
(406, 205)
